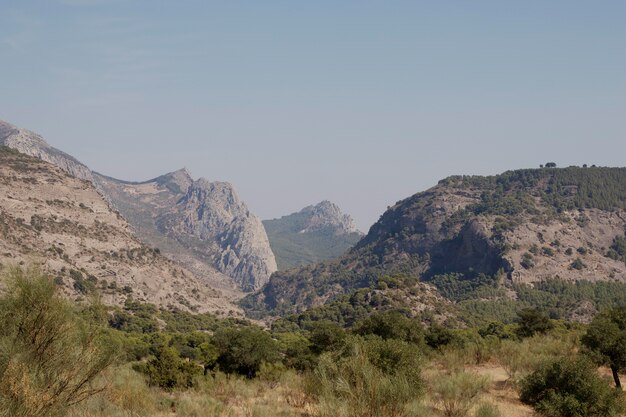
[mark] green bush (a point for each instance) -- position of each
(243, 350)
(326, 336)
(391, 325)
(168, 371)
(605, 340)
(532, 321)
(438, 336)
(578, 264)
(570, 388)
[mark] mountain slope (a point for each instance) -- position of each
(197, 223)
(315, 233)
(214, 236)
(30, 143)
(60, 223)
(525, 225)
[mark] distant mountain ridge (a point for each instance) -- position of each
(315, 233)
(521, 226)
(202, 225)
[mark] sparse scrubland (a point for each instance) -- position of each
(61, 359)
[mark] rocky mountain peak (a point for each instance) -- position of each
(315, 233)
(213, 212)
(178, 182)
(327, 214)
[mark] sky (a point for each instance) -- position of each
(362, 102)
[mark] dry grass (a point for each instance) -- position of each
(229, 396)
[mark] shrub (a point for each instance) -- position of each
(391, 325)
(49, 355)
(352, 385)
(488, 410)
(456, 393)
(326, 336)
(605, 340)
(570, 388)
(531, 321)
(578, 264)
(296, 351)
(167, 370)
(438, 336)
(243, 350)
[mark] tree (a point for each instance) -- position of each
(167, 370)
(326, 336)
(391, 325)
(438, 336)
(550, 165)
(50, 356)
(570, 388)
(243, 350)
(605, 340)
(532, 321)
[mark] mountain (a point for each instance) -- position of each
(30, 143)
(525, 226)
(196, 222)
(202, 225)
(315, 233)
(61, 224)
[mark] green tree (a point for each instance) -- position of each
(50, 356)
(243, 350)
(438, 336)
(167, 370)
(326, 336)
(570, 388)
(605, 340)
(532, 321)
(391, 325)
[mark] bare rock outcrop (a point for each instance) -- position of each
(327, 214)
(197, 222)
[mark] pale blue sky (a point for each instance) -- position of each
(359, 102)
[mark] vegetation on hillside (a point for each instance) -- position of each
(411, 239)
(387, 364)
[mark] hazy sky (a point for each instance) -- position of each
(359, 102)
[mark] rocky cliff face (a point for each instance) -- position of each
(61, 224)
(313, 234)
(212, 212)
(326, 215)
(197, 222)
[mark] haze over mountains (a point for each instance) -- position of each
(202, 225)
(453, 242)
(315, 233)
